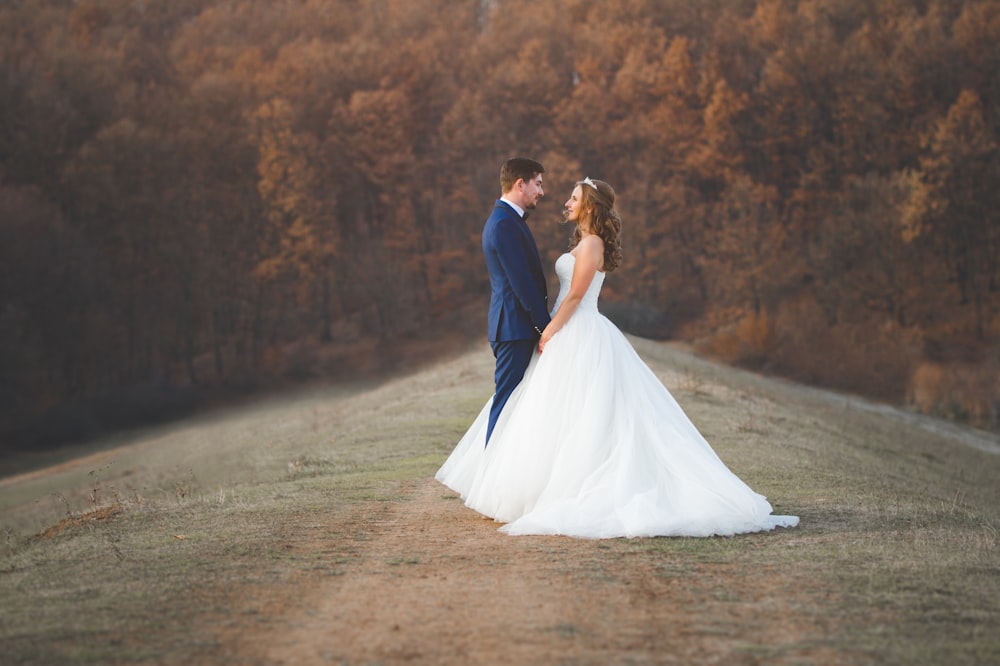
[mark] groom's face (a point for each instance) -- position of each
(532, 192)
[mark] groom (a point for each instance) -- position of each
(518, 309)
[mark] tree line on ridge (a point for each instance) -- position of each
(203, 193)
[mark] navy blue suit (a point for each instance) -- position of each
(518, 307)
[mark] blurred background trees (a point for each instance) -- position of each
(200, 196)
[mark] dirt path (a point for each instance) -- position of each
(426, 580)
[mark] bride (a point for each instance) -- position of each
(590, 443)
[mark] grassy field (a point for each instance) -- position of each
(201, 541)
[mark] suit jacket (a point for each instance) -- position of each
(518, 308)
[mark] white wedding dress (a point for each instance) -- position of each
(591, 444)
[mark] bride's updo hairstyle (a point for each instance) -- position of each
(597, 200)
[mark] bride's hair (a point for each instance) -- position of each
(597, 201)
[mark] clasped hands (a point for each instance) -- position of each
(544, 340)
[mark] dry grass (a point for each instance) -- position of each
(157, 549)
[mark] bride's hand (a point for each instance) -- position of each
(544, 340)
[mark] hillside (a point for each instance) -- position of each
(310, 530)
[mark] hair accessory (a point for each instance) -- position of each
(588, 181)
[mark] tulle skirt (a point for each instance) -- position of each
(591, 444)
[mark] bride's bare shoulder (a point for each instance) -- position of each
(592, 243)
(591, 247)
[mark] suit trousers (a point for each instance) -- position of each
(513, 357)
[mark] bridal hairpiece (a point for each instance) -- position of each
(588, 181)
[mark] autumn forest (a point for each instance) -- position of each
(216, 195)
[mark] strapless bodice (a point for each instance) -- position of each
(564, 270)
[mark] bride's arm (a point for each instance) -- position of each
(589, 255)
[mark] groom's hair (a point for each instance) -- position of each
(517, 168)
